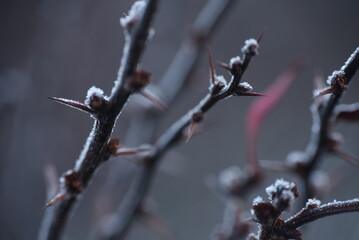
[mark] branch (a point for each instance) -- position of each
(219, 90)
(309, 214)
(174, 79)
(95, 149)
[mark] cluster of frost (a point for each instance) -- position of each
(282, 193)
(134, 14)
(94, 92)
(313, 203)
(220, 80)
(250, 46)
(334, 75)
(350, 59)
(258, 200)
(245, 86)
(235, 61)
(231, 176)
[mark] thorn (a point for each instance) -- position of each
(147, 94)
(61, 195)
(224, 65)
(254, 94)
(191, 129)
(323, 92)
(260, 36)
(72, 103)
(211, 68)
(347, 156)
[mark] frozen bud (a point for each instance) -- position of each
(218, 84)
(250, 47)
(312, 203)
(231, 179)
(282, 194)
(244, 87)
(134, 15)
(139, 80)
(71, 181)
(95, 98)
(337, 81)
(235, 65)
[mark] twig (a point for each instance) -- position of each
(218, 91)
(106, 113)
(173, 81)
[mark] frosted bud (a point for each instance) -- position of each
(134, 15)
(250, 47)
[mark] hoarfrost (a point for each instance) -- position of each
(94, 91)
(230, 176)
(334, 75)
(134, 14)
(250, 46)
(313, 202)
(246, 86)
(257, 200)
(234, 61)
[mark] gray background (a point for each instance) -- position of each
(61, 48)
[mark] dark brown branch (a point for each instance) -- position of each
(94, 152)
(308, 215)
(169, 87)
(173, 135)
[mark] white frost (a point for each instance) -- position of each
(313, 202)
(296, 157)
(334, 75)
(257, 200)
(356, 52)
(250, 45)
(134, 14)
(246, 86)
(234, 61)
(94, 91)
(281, 191)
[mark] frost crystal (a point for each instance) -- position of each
(134, 15)
(257, 200)
(282, 193)
(93, 92)
(250, 47)
(313, 203)
(220, 80)
(334, 75)
(234, 61)
(245, 86)
(350, 59)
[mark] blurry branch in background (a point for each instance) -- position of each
(219, 89)
(325, 114)
(105, 110)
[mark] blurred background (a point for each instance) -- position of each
(62, 48)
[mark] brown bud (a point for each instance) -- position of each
(139, 80)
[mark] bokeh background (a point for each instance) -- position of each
(62, 48)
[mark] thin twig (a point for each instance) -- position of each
(94, 152)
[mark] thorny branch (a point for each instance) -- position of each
(219, 90)
(324, 116)
(174, 79)
(282, 195)
(106, 111)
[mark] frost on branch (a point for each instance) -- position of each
(95, 98)
(250, 47)
(134, 15)
(282, 194)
